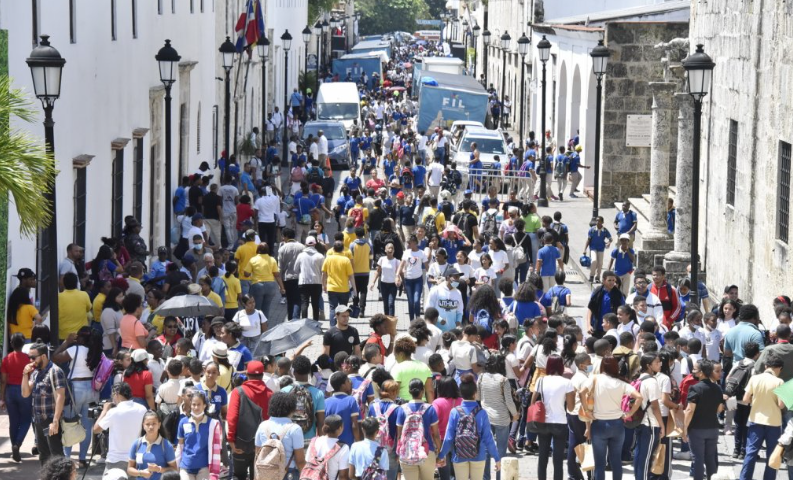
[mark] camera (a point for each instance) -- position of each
(95, 409)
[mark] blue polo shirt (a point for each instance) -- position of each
(575, 162)
(526, 310)
(419, 172)
(622, 262)
(380, 407)
(429, 418)
(737, 337)
(217, 397)
(548, 254)
(388, 167)
(487, 445)
(357, 380)
(548, 164)
(597, 239)
(181, 200)
(346, 407)
(247, 356)
(353, 183)
(160, 452)
(560, 291)
(452, 247)
(341, 202)
(195, 454)
(625, 221)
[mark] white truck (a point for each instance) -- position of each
(340, 102)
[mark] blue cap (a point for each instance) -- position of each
(197, 216)
(468, 192)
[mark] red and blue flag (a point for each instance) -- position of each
(250, 26)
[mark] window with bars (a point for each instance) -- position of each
(732, 162)
(134, 18)
(80, 181)
(783, 193)
(113, 29)
(117, 183)
(137, 204)
(73, 21)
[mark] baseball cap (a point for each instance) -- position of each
(162, 250)
(255, 368)
(219, 320)
(452, 271)
(400, 194)
(729, 287)
(25, 273)
(188, 259)
(139, 355)
(468, 192)
(342, 309)
(625, 236)
(578, 148)
(311, 241)
(197, 216)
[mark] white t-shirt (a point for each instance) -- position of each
(436, 335)
(267, 207)
(578, 380)
(413, 263)
(422, 353)
(650, 392)
(463, 354)
(500, 259)
(698, 333)
(228, 193)
(665, 386)
(438, 271)
(474, 257)
(512, 361)
(554, 388)
(434, 174)
(628, 327)
(338, 462)
(608, 395)
(251, 324)
(724, 326)
(422, 143)
(614, 333)
(485, 275)
(540, 358)
(123, 423)
(388, 269)
(712, 340)
(79, 356)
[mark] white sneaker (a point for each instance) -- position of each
(283, 300)
(682, 456)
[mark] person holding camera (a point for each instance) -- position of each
(122, 419)
(46, 382)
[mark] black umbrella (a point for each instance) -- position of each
(287, 336)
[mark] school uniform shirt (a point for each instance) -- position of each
(650, 391)
(196, 436)
(622, 262)
(429, 419)
(125, 420)
(291, 435)
(712, 342)
(631, 326)
(614, 333)
(362, 454)
(554, 389)
(698, 333)
(340, 461)
(625, 221)
(218, 398)
(347, 408)
(487, 445)
(548, 254)
(160, 452)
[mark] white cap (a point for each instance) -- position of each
(311, 241)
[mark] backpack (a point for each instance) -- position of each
(736, 382)
(627, 404)
(297, 175)
(271, 462)
(518, 253)
(556, 307)
(484, 320)
(356, 213)
(359, 394)
(250, 416)
(429, 225)
(313, 175)
(561, 231)
(412, 446)
(317, 468)
(462, 223)
(374, 471)
(466, 436)
(383, 436)
(489, 225)
(304, 407)
(104, 273)
(406, 176)
(103, 373)
(625, 365)
(559, 169)
(685, 385)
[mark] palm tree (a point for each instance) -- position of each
(27, 171)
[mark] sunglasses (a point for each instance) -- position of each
(33, 357)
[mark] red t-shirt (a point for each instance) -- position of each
(13, 365)
(491, 342)
(138, 382)
(377, 340)
(244, 212)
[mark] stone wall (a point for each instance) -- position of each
(634, 62)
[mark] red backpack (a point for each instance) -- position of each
(356, 213)
(685, 385)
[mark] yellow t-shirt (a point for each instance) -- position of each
(157, 321)
(360, 257)
(99, 305)
(765, 404)
(25, 316)
(73, 308)
(339, 270)
(344, 253)
(233, 291)
(440, 219)
(215, 298)
(349, 237)
(243, 255)
(261, 268)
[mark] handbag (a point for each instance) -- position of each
(535, 415)
(72, 431)
(775, 460)
(658, 460)
(589, 458)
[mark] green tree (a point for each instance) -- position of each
(435, 8)
(380, 17)
(315, 7)
(27, 171)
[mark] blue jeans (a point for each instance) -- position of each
(501, 436)
(607, 437)
(389, 292)
(257, 292)
(271, 296)
(756, 435)
(556, 432)
(84, 394)
(413, 290)
(334, 300)
(20, 414)
(521, 271)
(646, 443)
(245, 285)
(704, 453)
(627, 444)
(576, 430)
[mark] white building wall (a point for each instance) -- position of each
(558, 9)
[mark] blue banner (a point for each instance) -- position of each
(443, 105)
(429, 22)
(356, 66)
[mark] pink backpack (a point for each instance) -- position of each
(102, 373)
(317, 468)
(412, 447)
(383, 437)
(359, 394)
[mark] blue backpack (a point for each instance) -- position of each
(484, 320)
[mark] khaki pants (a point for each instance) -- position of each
(575, 179)
(625, 286)
(548, 183)
(548, 283)
(407, 231)
(527, 190)
(469, 470)
(213, 230)
(202, 474)
(561, 184)
(597, 264)
(423, 471)
(434, 191)
(230, 224)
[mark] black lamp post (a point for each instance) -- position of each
(465, 43)
(334, 25)
(306, 40)
(318, 33)
(699, 68)
(286, 40)
(475, 32)
(544, 47)
(325, 28)
(263, 49)
(46, 67)
(485, 44)
(505, 39)
(600, 60)
(227, 51)
(523, 49)
(168, 59)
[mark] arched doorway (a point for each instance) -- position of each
(561, 106)
(575, 103)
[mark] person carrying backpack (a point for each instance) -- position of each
(418, 438)
(248, 405)
(279, 441)
(651, 429)
(368, 459)
(384, 411)
(326, 457)
(735, 386)
(309, 400)
(468, 436)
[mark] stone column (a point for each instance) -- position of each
(679, 258)
(659, 159)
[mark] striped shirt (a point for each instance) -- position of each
(495, 393)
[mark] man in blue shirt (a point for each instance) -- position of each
(295, 101)
(548, 258)
(575, 175)
(561, 166)
(622, 260)
(158, 267)
(343, 404)
(605, 299)
(180, 197)
(598, 239)
(626, 221)
(301, 369)
(745, 331)
(355, 150)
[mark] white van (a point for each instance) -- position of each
(339, 101)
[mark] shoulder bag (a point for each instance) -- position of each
(72, 430)
(535, 415)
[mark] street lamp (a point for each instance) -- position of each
(286, 40)
(465, 44)
(699, 70)
(600, 60)
(505, 39)
(227, 51)
(318, 33)
(523, 49)
(475, 32)
(263, 49)
(168, 59)
(46, 67)
(325, 28)
(306, 39)
(544, 47)
(485, 43)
